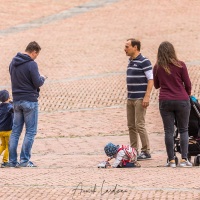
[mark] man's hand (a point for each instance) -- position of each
(146, 99)
(145, 102)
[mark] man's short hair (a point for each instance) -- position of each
(33, 46)
(135, 42)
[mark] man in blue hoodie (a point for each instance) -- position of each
(26, 82)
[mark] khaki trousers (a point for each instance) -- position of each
(136, 124)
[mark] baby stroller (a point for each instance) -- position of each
(194, 134)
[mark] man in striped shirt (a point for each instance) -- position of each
(139, 85)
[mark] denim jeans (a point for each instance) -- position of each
(179, 110)
(128, 165)
(25, 112)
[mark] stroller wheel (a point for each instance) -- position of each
(189, 158)
(196, 160)
(176, 160)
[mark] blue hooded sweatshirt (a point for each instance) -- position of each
(25, 78)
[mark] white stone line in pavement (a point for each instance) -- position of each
(59, 16)
(88, 77)
(122, 105)
(189, 63)
(78, 78)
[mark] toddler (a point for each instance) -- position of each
(6, 121)
(125, 156)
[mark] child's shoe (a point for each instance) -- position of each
(171, 163)
(4, 164)
(7, 165)
(185, 163)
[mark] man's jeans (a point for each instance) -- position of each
(136, 124)
(179, 110)
(25, 112)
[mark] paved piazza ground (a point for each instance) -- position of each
(82, 104)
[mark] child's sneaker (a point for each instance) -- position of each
(7, 165)
(185, 163)
(4, 164)
(143, 155)
(171, 164)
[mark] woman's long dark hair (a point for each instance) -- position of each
(166, 56)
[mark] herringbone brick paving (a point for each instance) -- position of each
(82, 104)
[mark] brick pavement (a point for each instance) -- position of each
(82, 104)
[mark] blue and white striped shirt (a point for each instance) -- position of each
(139, 71)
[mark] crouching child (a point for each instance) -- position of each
(125, 156)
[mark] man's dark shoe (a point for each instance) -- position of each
(143, 156)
